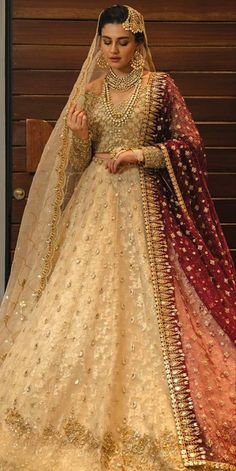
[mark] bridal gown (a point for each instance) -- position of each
(84, 386)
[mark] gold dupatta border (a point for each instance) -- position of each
(62, 163)
(192, 451)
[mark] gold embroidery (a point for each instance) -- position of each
(130, 448)
(186, 424)
(173, 179)
(80, 152)
(153, 157)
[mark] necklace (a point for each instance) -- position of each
(125, 81)
(118, 118)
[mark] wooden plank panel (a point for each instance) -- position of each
(230, 234)
(212, 108)
(60, 82)
(214, 135)
(222, 185)
(233, 255)
(218, 134)
(19, 159)
(50, 107)
(17, 210)
(175, 10)
(226, 209)
(221, 159)
(206, 83)
(167, 58)
(159, 33)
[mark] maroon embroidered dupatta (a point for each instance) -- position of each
(193, 280)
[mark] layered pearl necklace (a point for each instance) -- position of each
(118, 118)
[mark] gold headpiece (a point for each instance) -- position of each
(134, 22)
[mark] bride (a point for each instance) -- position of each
(118, 321)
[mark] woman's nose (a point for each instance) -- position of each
(114, 47)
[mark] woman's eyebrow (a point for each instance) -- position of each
(121, 37)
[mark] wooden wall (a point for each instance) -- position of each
(193, 41)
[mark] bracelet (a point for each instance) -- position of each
(116, 151)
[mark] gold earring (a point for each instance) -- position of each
(137, 61)
(101, 61)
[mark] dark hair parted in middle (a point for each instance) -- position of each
(116, 14)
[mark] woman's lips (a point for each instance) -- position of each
(114, 59)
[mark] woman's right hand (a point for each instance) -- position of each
(78, 123)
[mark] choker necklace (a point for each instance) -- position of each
(125, 81)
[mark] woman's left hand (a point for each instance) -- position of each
(125, 157)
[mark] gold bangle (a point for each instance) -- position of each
(116, 152)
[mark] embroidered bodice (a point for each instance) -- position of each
(105, 134)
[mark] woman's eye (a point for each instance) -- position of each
(123, 44)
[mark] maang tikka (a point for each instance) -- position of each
(134, 21)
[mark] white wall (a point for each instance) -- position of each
(2, 147)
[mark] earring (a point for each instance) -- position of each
(101, 62)
(137, 61)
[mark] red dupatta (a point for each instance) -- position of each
(190, 219)
(179, 215)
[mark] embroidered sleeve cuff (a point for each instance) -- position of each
(153, 157)
(81, 151)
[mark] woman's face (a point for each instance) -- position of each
(118, 46)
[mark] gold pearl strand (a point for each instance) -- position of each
(118, 118)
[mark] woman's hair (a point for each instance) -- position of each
(116, 14)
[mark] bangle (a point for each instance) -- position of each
(114, 153)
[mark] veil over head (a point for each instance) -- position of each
(52, 187)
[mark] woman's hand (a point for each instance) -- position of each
(78, 123)
(125, 157)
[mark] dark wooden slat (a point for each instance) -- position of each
(218, 135)
(230, 234)
(50, 107)
(226, 209)
(167, 58)
(17, 210)
(60, 82)
(221, 160)
(173, 10)
(218, 160)
(19, 159)
(222, 185)
(233, 255)
(214, 135)
(206, 83)
(159, 33)
(212, 109)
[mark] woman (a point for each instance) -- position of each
(117, 354)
